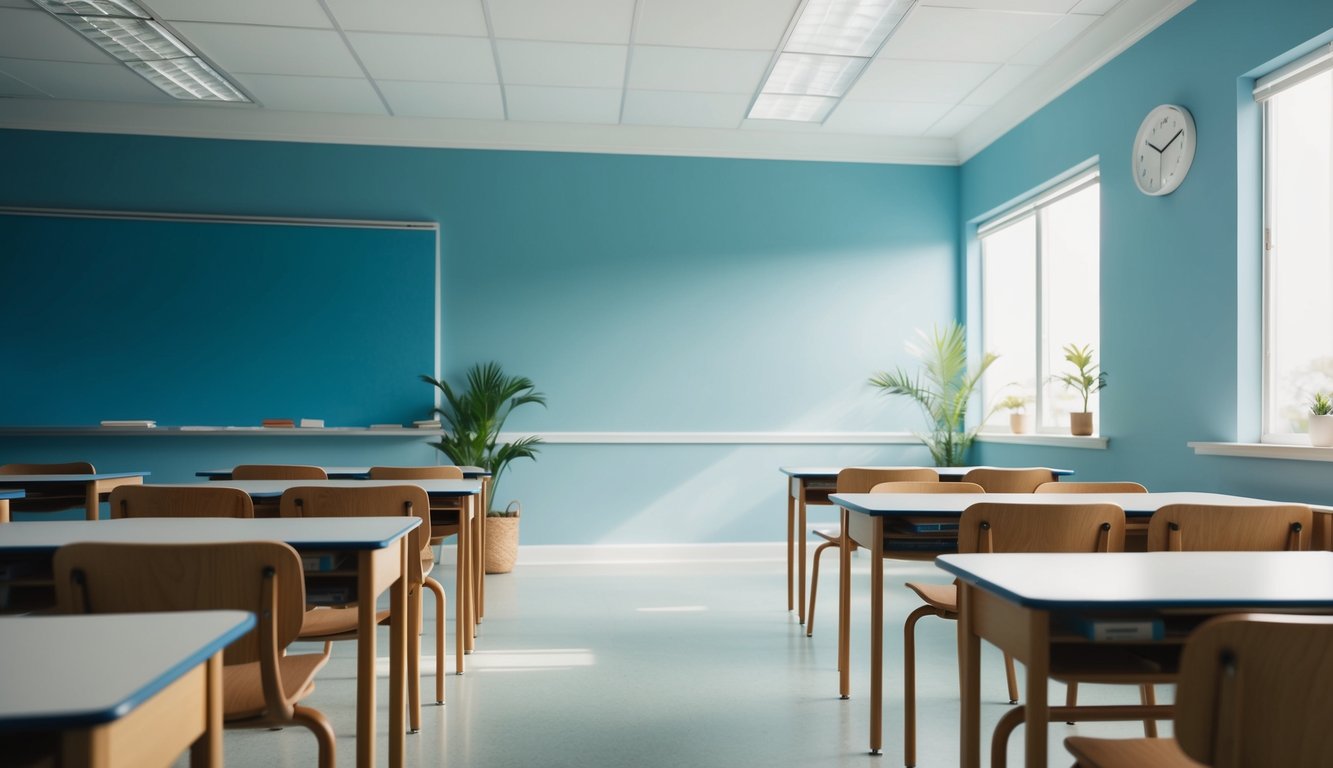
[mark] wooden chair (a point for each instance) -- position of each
(278, 472)
(1254, 690)
(858, 480)
(328, 624)
(261, 684)
(1113, 486)
(1001, 480)
(1216, 528)
(179, 501)
(997, 527)
(53, 501)
(444, 522)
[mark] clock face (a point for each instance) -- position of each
(1163, 149)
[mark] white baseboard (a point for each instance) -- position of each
(603, 554)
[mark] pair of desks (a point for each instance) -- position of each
(1016, 602)
(378, 561)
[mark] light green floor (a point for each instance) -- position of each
(673, 665)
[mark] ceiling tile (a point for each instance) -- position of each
(753, 25)
(29, 33)
(468, 101)
(687, 110)
(1055, 39)
(425, 58)
(886, 118)
(17, 4)
(998, 85)
(563, 105)
(574, 21)
(96, 82)
(697, 69)
(576, 65)
(432, 17)
(958, 118)
(314, 94)
(1020, 6)
(287, 13)
(273, 50)
(940, 82)
(11, 88)
(953, 34)
(1095, 7)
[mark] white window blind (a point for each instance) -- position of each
(1310, 65)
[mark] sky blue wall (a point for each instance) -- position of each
(641, 294)
(1180, 274)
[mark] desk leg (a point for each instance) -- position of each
(1038, 671)
(877, 637)
(844, 607)
(398, 626)
(365, 660)
(479, 565)
(92, 503)
(800, 554)
(791, 546)
(969, 677)
(4, 518)
(462, 582)
(206, 752)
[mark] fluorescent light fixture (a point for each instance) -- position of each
(829, 44)
(128, 32)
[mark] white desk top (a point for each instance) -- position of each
(11, 493)
(69, 671)
(950, 504)
(272, 489)
(1120, 581)
(323, 533)
(50, 479)
(343, 473)
(831, 473)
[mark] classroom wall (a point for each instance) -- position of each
(1180, 274)
(641, 294)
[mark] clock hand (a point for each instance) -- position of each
(1173, 138)
(1149, 143)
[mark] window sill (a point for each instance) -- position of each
(1057, 441)
(1263, 451)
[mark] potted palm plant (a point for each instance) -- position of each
(942, 389)
(1020, 421)
(1085, 380)
(1321, 421)
(472, 418)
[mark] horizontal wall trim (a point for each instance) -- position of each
(1263, 451)
(1054, 441)
(717, 438)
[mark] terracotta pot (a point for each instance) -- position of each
(1080, 423)
(1020, 423)
(1321, 431)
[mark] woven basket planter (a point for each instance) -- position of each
(502, 541)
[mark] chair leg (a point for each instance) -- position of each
(814, 588)
(909, 682)
(1148, 696)
(318, 725)
(414, 664)
(1012, 677)
(438, 590)
(1071, 698)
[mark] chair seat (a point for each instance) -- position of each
(331, 623)
(941, 596)
(243, 690)
(1129, 753)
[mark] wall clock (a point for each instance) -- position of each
(1163, 149)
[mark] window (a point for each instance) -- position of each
(1298, 242)
(1040, 291)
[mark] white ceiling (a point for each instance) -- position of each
(638, 76)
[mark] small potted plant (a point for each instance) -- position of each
(1020, 421)
(1085, 381)
(1321, 421)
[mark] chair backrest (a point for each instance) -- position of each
(263, 577)
(999, 480)
(862, 479)
(1115, 486)
(369, 501)
(1257, 689)
(178, 501)
(999, 527)
(913, 487)
(1216, 528)
(437, 472)
(67, 468)
(278, 472)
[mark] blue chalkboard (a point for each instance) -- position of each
(215, 322)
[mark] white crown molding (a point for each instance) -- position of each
(717, 438)
(248, 123)
(1125, 25)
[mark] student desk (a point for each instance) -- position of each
(863, 522)
(379, 543)
(464, 493)
(812, 485)
(5, 495)
(94, 487)
(147, 689)
(1022, 603)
